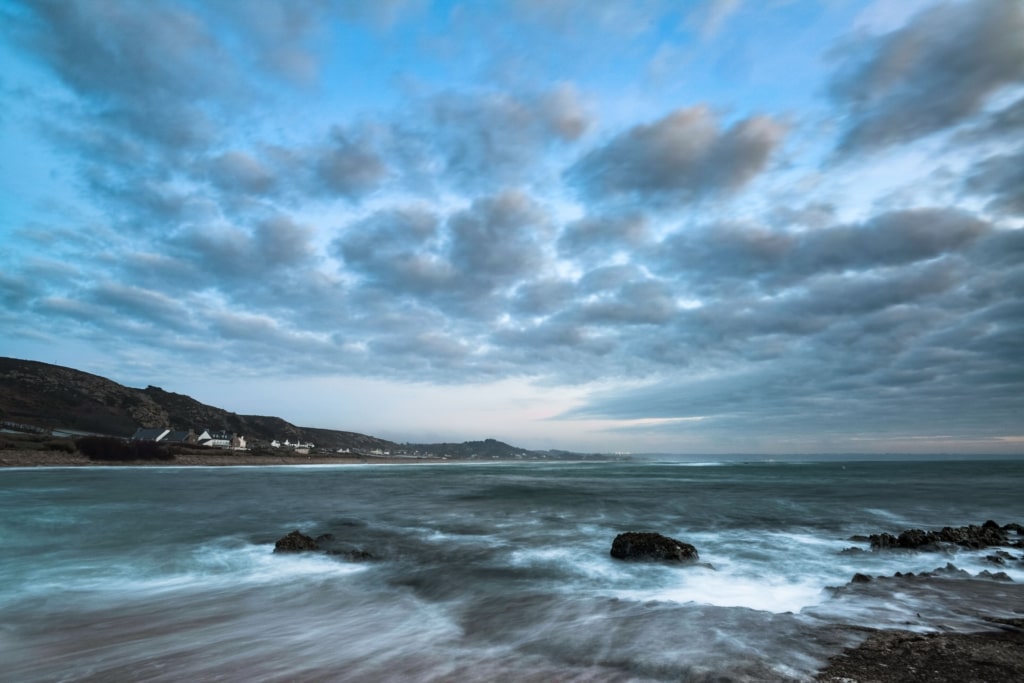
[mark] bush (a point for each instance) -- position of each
(65, 445)
(110, 449)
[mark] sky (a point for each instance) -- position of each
(705, 226)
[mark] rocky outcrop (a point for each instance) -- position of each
(974, 537)
(296, 542)
(652, 547)
(891, 656)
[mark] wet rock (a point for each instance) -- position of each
(356, 555)
(972, 536)
(891, 656)
(998, 558)
(296, 542)
(652, 547)
(860, 578)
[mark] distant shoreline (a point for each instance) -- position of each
(27, 458)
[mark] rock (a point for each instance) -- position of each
(860, 578)
(972, 536)
(296, 542)
(652, 547)
(356, 555)
(901, 656)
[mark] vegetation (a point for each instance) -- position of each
(14, 441)
(113, 449)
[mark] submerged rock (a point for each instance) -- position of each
(652, 547)
(296, 542)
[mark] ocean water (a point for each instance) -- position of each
(483, 572)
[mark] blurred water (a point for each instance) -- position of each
(483, 572)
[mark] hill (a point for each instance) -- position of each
(49, 397)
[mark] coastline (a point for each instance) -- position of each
(26, 458)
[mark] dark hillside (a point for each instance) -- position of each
(55, 397)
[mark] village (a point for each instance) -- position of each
(236, 442)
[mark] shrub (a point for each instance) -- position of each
(65, 445)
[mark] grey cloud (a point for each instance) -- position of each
(228, 253)
(397, 249)
(1006, 123)
(498, 240)
(239, 171)
(136, 303)
(681, 157)
(496, 138)
(279, 33)
(605, 278)
(542, 296)
(142, 66)
(746, 252)
(1001, 178)
(934, 73)
(635, 303)
(350, 166)
(599, 235)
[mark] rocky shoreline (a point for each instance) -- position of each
(893, 656)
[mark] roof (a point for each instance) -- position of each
(143, 434)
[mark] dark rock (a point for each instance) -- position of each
(356, 555)
(901, 656)
(913, 538)
(1019, 528)
(652, 547)
(972, 536)
(296, 542)
(860, 578)
(995, 559)
(998, 576)
(883, 541)
(851, 551)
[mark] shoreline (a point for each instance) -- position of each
(28, 459)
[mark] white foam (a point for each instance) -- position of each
(216, 565)
(720, 589)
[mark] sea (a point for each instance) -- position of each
(485, 571)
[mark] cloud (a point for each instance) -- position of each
(679, 158)
(397, 250)
(1001, 178)
(601, 235)
(935, 73)
(140, 67)
(753, 253)
(349, 166)
(491, 139)
(237, 171)
(498, 239)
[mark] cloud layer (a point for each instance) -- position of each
(248, 192)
